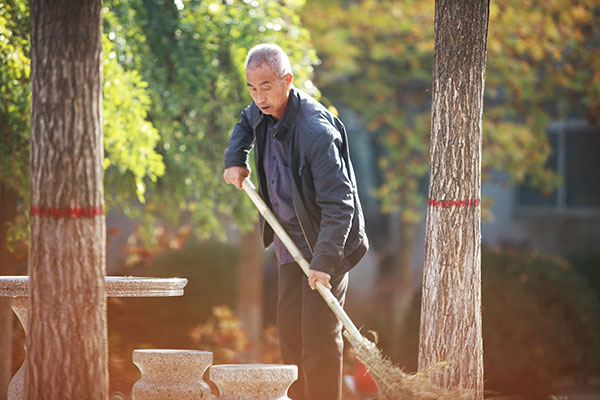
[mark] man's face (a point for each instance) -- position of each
(269, 91)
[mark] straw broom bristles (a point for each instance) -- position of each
(395, 384)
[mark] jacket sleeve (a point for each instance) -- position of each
(240, 142)
(334, 197)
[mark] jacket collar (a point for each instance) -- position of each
(291, 110)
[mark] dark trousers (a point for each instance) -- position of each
(310, 335)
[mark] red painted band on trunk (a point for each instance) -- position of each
(66, 212)
(453, 203)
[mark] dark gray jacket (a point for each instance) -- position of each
(324, 188)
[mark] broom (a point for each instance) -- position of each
(392, 382)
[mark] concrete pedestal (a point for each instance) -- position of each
(171, 374)
(253, 381)
(16, 387)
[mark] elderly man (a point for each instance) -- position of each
(306, 177)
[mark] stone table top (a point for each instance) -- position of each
(116, 286)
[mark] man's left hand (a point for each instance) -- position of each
(314, 276)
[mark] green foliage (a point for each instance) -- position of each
(173, 88)
(15, 95)
(377, 59)
(192, 55)
(129, 139)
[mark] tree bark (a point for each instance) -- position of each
(67, 338)
(451, 307)
(250, 290)
(8, 212)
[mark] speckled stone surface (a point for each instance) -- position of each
(116, 286)
(17, 288)
(16, 387)
(253, 381)
(170, 374)
(14, 286)
(135, 286)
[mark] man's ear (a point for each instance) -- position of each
(288, 78)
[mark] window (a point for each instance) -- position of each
(576, 158)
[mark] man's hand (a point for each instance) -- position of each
(236, 175)
(314, 276)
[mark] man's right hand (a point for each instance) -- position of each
(236, 175)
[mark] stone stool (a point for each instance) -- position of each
(253, 381)
(171, 374)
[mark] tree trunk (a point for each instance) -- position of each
(451, 307)
(250, 290)
(67, 338)
(8, 212)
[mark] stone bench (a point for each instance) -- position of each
(171, 374)
(253, 381)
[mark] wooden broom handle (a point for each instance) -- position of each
(329, 298)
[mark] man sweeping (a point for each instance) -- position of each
(306, 178)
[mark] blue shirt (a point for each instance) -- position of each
(279, 181)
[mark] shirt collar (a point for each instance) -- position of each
(289, 115)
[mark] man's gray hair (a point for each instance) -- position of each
(269, 54)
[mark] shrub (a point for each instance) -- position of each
(588, 264)
(540, 323)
